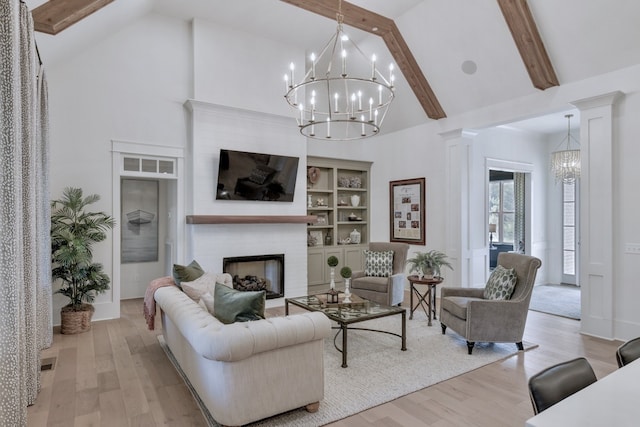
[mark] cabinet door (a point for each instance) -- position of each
(354, 257)
(316, 264)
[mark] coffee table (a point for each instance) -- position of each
(346, 314)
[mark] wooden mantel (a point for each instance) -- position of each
(251, 219)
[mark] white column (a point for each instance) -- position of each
(458, 160)
(596, 276)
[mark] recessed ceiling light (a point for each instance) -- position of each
(469, 67)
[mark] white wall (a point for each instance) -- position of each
(133, 85)
(510, 146)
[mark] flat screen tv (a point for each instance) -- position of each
(255, 176)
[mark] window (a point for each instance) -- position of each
(569, 235)
(502, 209)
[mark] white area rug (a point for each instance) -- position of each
(379, 371)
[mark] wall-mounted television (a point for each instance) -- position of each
(244, 175)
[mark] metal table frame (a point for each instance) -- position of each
(428, 298)
(344, 324)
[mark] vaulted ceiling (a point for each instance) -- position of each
(455, 55)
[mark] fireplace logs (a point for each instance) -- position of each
(250, 283)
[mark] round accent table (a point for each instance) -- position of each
(428, 297)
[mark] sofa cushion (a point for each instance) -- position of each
(457, 305)
(230, 306)
(501, 284)
(376, 284)
(206, 302)
(378, 264)
(186, 273)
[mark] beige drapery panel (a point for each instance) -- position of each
(25, 271)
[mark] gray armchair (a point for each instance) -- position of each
(383, 290)
(477, 319)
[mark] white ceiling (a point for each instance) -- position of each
(583, 38)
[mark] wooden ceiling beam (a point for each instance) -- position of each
(527, 38)
(413, 73)
(379, 25)
(56, 15)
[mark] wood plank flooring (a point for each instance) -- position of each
(117, 375)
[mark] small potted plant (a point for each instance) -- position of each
(428, 264)
(332, 261)
(73, 233)
(345, 272)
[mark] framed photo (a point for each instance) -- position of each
(316, 237)
(407, 206)
(323, 219)
(139, 228)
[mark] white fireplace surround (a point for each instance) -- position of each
(213, 127)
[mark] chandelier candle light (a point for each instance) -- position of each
(337, 105)
(565, 164)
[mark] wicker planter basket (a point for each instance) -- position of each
(76, 321)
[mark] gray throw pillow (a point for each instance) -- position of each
(187, 273)
(378, 264)
(230, 305)
(501, 284)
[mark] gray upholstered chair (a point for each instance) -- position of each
(557, 382)
(467, 312)
(383, 290)
(628, 352)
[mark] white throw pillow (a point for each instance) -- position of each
(202, 289)
(206, 302)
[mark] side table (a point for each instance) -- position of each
(428, 297)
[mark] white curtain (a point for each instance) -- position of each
(25, 273)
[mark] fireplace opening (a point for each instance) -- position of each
(257, 273)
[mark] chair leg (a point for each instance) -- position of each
(470, 345)
(520, 346)
(444, 327)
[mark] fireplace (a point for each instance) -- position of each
(256, 273)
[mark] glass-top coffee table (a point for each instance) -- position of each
(345, 314)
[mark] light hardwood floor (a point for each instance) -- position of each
(117, 375)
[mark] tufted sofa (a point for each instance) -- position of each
(246, 371)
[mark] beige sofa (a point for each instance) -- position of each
(246, 371)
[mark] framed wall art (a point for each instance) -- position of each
(139, 229)
(407, 206)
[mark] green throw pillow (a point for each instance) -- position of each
(378, 264)
(187, 273)
(231, 306)
(501, 284)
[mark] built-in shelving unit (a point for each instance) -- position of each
(340, 201)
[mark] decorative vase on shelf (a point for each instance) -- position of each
(355, 237)
(309, 201)
(355, 200)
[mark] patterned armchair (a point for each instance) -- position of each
(382, 280)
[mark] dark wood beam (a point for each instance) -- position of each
(373, 23)
(56, 15)
(413, 73)
(525, 33)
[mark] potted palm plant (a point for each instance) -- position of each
(428, 264)
(73, 233)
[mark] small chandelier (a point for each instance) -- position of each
(565, 164)
(336, 104)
